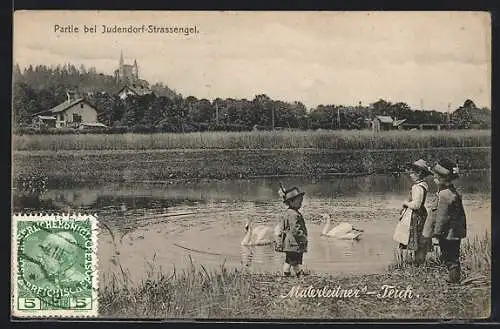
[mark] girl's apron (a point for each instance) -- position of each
(416, 239)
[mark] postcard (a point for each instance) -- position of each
(248, 165)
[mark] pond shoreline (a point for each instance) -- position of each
(438, 301)
(216, 164)
(232, 293)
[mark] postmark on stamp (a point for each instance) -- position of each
(54, 266)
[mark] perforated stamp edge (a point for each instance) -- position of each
(45, 314)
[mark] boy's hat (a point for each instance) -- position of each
(446, 168)
(290, 194)
(421, 166)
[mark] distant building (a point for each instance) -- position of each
(45, 121)
(126, 72)
(72, 113)
(382, 122)
(136, 89)
(127, 76)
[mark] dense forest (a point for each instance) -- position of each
(39, 88)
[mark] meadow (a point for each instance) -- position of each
(148, 166)
(236, 155)
(234, 293)
(325, 139)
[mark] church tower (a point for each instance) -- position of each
(120, 66)
(136, 70)
(121, 59)
(126, 73)
(119, 71)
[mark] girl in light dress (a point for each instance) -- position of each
(417, 242)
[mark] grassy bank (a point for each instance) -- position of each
(335, 140)
(163, 165)
(233, 293)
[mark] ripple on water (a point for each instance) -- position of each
(145, 229)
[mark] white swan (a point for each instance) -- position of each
(344, 231)
(259, 235)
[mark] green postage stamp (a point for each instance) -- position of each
(54, 266)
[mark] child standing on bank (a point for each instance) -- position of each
(449, 218)
(418, 171)
(292, 238)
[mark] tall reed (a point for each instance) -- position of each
(195, 291)
(337, 140)
(475, 255)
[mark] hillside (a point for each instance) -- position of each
(82, 80)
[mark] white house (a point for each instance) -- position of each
(71, 113)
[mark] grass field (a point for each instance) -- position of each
(68, 167)
(234, 293)
(336, 140)
(216, 155)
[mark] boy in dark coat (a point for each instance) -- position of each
(449, 217)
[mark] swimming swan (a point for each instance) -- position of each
(259, 235)
(344, 231)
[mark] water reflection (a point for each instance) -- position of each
(158, 196)
(258, 255)
(204, 222)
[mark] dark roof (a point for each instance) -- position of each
(64, 106)
(384, 118)
(137, 89)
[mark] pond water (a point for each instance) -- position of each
(171, 225)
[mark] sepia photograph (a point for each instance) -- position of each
(245, 165)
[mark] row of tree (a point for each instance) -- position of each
(41, 88)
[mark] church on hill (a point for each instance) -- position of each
(127, 77)
(126, 72)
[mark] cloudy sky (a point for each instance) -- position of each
(434, 59)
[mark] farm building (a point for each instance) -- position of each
(44, 120)
(136, 89)
(71, 113)
(382, 122)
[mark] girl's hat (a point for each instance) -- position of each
(290, 194)
(421, 166)
(446, 168)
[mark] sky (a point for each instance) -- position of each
(429, 59)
